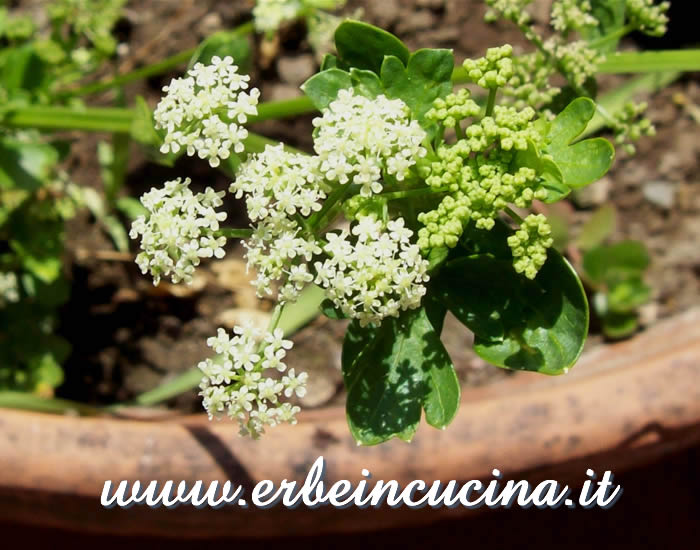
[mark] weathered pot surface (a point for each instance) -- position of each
(621, 405)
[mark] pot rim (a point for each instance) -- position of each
(622, 404)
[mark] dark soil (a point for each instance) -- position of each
(129, 337)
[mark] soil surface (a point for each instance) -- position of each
(129, 337)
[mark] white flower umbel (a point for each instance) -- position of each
(180, 229)
(235, 380)
(9, 290)
(378, 275)
(360, 140)
(277, 183)
(281, 190)
(203, 112)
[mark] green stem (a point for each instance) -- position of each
(141, 73)
(321, 218)
(137, 74)
(30, 402)
(615, 35)
(491, 102)
(513, 214)
(283, 109)
(233, 233)
(94, 119)
(395, 195)
(649, 62)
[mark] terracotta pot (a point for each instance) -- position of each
(621, 405)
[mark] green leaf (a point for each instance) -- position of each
(23, 70)
(323, 87)
(626, 296)
(610, 15)
(131, 207)
(552, 177)
(391, 372)
(598, 228)
(364, 46)
(616, 262)
(538, 325)
(426, 77)
(366, 83)
(223, 43)
(619, 325)
(329, 309)
(441, 402)
(25, 165)
(582, 162)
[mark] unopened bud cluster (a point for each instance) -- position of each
(529, 245)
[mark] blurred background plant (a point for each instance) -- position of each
(37, 196)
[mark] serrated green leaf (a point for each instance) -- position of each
(426, 77)
(538, 325)
(582, 162)
(402, 367)
(364, 46)
(323, 87)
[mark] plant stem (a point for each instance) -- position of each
(233, 233)
(395, 195)
(491, 102)
(137, 74)
(513, 214)
(94, 119)
(283, 109)
(619, 33)
(144, 72)
(30, 402)
(649, 62)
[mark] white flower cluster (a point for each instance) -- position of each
(280, 189)
(360, 140)
(180, 229)
(203, 112)
(378, 275)
(9, 290)
(235, 383)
